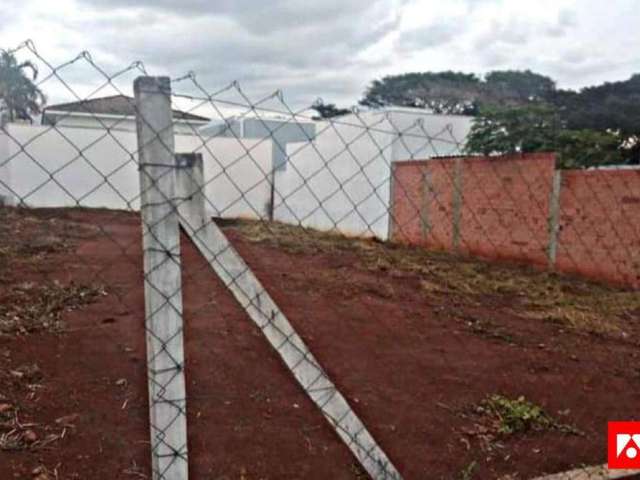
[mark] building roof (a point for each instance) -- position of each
(425, 112)
(113, 105)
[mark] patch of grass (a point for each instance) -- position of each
(487, 329)
(31, 307)
(467, 471)
(512, 416)
(572, 302)
(358, 472)
(18, 430)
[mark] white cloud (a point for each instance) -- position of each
(333, 48)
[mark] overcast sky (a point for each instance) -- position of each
(330, 48)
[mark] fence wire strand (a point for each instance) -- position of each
(384, 206)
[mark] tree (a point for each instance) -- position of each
(539, 128)
(501, 130)
(523, 111)
(587, 148)
(459, 93)
(610, 106)
(328, 110)
(442, 92)
(22, 97)
(504, 87)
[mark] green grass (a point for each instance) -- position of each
(512, 416)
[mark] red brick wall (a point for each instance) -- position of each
(504, 207)
(600, 224)
(505, 210)
(503, 204)
(419, 209)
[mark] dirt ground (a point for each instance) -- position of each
(460, 369)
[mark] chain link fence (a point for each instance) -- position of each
(449, 316)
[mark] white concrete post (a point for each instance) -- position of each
(457, 201)
(554, 218)
(162, 279)
(391, 214)
(190, 187)
(425, 201)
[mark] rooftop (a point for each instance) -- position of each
(113, 105)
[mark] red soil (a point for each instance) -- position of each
(410, 365)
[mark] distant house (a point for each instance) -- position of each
(117, 111)
(330, 174)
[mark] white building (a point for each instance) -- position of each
(336, 174)
(330, 175)
(113, 112)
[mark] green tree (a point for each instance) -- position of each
(328, 110)
(515, 87)
(610, 107)
(459, 93)
(523, 111)
(442, 92)
(501, 130)
(587, 148)
(21, 96)
(539, 128)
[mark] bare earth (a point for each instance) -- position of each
(417, 341)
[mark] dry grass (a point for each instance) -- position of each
(16, 433)
(31, 307)
(27, 239)
(28, 236)
(530, 293)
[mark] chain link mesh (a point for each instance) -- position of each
(469, 317)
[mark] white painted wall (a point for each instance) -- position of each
(236, 174)
(72, 166)
(68, 166)
(340, 181)
(425, 135)
(116, 122)
(5, 172)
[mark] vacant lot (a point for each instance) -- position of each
(459, 368)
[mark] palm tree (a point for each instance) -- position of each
(21, 96)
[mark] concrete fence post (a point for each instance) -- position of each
(554, 218)
(162, 279)
(391, 213)
(456, 202)
(190, 189)
(425, 200)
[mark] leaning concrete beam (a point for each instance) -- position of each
(261, 308)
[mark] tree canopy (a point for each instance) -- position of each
(457, 92)
(524, 111)
(443, 92)
(614, 106)
(539, 128)
(513, 87)
(21, 96)
(328, 110)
